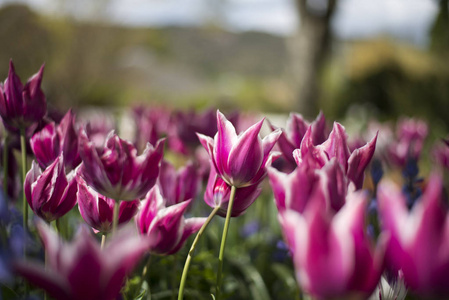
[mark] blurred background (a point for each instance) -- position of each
(367, 58)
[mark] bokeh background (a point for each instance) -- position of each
(361, 58)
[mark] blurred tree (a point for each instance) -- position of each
(440, 31)
(309, 50)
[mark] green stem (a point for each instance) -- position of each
(5, 164)
(24, 173)
(192, 249)
(103, 240)
(115, 217)
(223, 243)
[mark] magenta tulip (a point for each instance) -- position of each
(53, 139)
(239, 159)
(97, 210)
(332, 254)
(419, 238)
(336, 146)
(22, 106)
(80, 270)
(50, 194)
(116, 171)
(165, 227)
(178, 185)
(218, 193)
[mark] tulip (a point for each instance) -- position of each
(165, 227)
(116, 171)
(239, 159)
(53, 139)
(97, 210)
(336, 146)
(50, 194)
(218, 193)
(178, 186)
(22, 106)
(304, 185)
(332, 254)
(80, 270)
(292, 136)
(419, 237)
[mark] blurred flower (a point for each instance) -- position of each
(419, 237)
(165, 226)
(98, 124)
(440, 154)
(116, 171)
(306, 185)
(239, 159)
(292, 136)
(53, 139)
(80, 270)
(151, 123)
(21, 106)
(218, 193)
(50, 194)
(410, 134)
(178, 186)
(97, 210)
(353, 164)
(332, 255)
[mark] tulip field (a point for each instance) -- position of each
(159, 203)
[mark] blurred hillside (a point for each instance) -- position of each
(99, 64)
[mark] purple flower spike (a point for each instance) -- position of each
(80, 270)
(97, 210)
(50, 194)
(218, 193)
(239, 159)
(22, 106)
(53, 139)
(332, 255)
(116, 171)
(178, 186)
(165, 227)
(419, 238)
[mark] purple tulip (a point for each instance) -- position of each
(22, 106)
(80, 270)
(419, 238)
(218, 193)
(50, 194)
(97, 210)
(178, 186)
(292, 136)
(306, 185)
(53, 139)
(332, 254)
(165, 227)
(239, 159)
(336, 146)
(116, 171)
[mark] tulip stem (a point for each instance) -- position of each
(24, 174)
(5, 164)
(103, 240)
(192, 249)
(115, 217)
(223, 243)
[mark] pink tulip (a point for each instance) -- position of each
(336, 146)
(239, 159)
(80, 270)
(116, 171)
(97, 210)
(50, 194)
(332, 254)
(218, 193)
(165, 227)
(53, 139)
(178, 185)
(22, 106)
(419, 238)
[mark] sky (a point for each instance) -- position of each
(406, 19)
